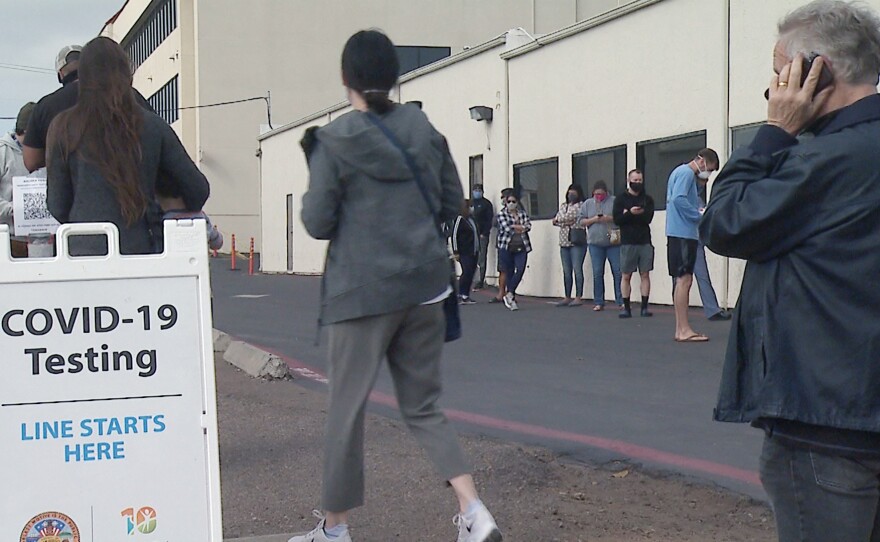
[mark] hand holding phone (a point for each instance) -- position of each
(787, 109)
(826, 78)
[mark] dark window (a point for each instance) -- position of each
(411, 58)
(657, 159)
(742, 136)
(155, 25)
(164, 101)
(537, 186)
(607, 165)
(475, 175)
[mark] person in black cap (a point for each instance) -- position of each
(67, 68)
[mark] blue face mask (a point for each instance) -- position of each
(477, 194)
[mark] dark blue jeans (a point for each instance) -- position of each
(573, 264)
(515, 266)
(818, 497)
(598, 255)
(468, 267)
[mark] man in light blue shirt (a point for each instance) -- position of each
(683, 211)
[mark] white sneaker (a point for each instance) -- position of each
(480, 527)
(513, 305)
(508, 299)
(317, 534)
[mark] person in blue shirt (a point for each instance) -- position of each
(683, 211)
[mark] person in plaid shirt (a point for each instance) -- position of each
(513, 245)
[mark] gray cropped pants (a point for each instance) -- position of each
(412, 341)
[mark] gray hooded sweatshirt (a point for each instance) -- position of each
(386, 253)
(11, 165)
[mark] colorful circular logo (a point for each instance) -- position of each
(50, 527)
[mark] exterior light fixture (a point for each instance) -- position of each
(481, 112)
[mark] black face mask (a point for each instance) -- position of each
(572, 198)
(637, 187)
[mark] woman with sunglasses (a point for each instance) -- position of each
(513, 245)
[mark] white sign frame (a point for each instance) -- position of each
(161, 481)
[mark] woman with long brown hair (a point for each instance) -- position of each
(106, 155)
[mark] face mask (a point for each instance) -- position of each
(572, 198)
(511, 206)
(636, 187)
(703, 174)
(599, 197)
(477, 194)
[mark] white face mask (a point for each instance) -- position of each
(703, 174)
(511, 206)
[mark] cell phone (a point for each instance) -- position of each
(825, 76)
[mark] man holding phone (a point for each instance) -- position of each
(633, 212)
(800, 205)
(683, 210)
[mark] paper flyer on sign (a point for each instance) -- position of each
(32, 216)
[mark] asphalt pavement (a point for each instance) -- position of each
(587, 385)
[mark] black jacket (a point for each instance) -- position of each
(805, 340)
(78, 192)
(634, 229)
(465, 236)
(484, 215)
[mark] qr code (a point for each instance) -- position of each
(35, 207)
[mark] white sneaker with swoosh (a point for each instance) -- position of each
(477, 527)
(318, 535)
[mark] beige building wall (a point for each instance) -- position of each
(227, 50)
(604, 100)
(628, 76)
(284, 170)
(288, 53)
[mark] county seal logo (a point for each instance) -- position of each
(50, 527)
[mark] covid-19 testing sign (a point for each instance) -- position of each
(108, 425)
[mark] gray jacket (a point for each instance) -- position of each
(385, 252)
(597, 233)
(11, 165)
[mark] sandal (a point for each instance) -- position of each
(695, 338)
(597, 308)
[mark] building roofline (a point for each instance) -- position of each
(409, 76)
(579, 27)
(115, 16)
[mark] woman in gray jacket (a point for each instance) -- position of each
(596, 215)
(387, 273)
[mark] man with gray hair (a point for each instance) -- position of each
(800, 204)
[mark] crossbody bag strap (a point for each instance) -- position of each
(412, 166)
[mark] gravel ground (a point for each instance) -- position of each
(271, 436)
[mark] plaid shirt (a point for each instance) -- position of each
(506, 221)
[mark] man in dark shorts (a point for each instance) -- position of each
(683, 211)
(633, 212)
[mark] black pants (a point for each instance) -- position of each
(468, 268)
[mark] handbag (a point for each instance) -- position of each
(577, 237)
(450, 304)
(516, 244)
(614, 236)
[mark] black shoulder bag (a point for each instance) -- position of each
(450, 304)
